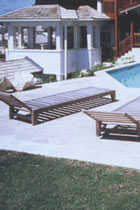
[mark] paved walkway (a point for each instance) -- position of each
(72, 136)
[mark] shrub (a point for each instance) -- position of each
(44, 79)
(113, 62)
(98, 67)
(75, 74)
(52, 79)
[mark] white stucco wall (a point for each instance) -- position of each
(53, 61)
(49, 60)
(96, 56)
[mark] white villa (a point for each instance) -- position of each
(60, 40)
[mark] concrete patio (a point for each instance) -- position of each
(72, 136)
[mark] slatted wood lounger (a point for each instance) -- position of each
(36, 106)
(123, 120)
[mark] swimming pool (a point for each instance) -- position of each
(128, 76)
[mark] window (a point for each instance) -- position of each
(15, 37)
(70, 37)
(83, 37)
(23, 43)
(38, 37)
(24, 36)
(45, 37)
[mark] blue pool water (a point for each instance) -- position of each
(128, 76)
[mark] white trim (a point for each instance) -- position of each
(58, 37)
(29, 20)
(54, 20)
(65, 52)
(90, 43)
(10, 37)
(19, 37)
(35, 50)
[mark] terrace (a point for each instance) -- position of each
(72, 136)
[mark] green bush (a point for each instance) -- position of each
(52, 79)
(98, 67)
(75, 74)
(113, 62)
(43, 79)
(89, 72)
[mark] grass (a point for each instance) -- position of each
(29, 182)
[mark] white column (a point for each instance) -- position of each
(22, 37)
(19, 37)
(15, 37)
(65, 52)
(49, 37)
(90, 43)
(59, 37)
(99, 6)
(10, 37)
(89, 37)
(76, 37)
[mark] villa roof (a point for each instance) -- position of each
(52, 12)
(87, 12)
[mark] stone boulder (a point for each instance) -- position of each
(5, 84)
(24, 81)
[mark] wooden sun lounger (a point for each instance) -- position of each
(123, 120)
(36, 106)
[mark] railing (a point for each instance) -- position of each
(108, 5)
(123, 4)
(125, 45)
(136, 39)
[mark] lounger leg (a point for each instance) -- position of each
(34, 116)
(98, 128)
(11, 112)
(113, 97)
(138, 129)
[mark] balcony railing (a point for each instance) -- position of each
(124, 45)
(136, 39)
(109, 7)
(121, 5)
(133, 40)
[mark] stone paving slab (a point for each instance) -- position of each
(72, 136)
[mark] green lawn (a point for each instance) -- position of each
(29, 182)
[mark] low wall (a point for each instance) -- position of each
(53, 61)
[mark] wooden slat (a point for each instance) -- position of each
(55, 112)
(11, 100)
(109, 117)
(67, 109)
(64, 97)
(119, 131)
(83, 98)
(48, 115)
